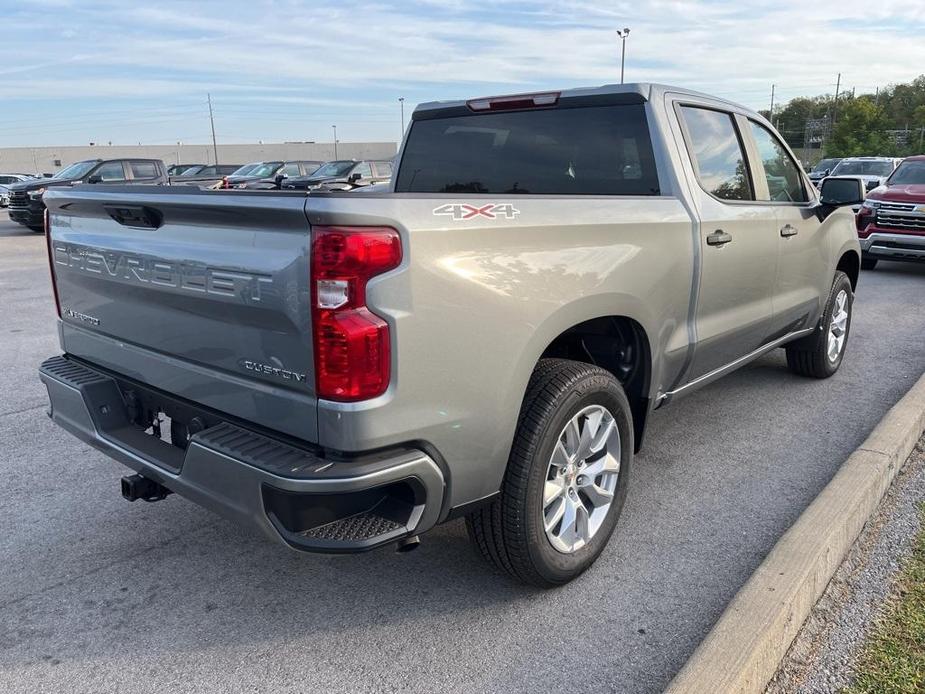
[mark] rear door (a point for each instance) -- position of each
(203, 295)
(382, 171)
(143, 171)
(800, 287)
(738, 251)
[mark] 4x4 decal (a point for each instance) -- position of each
(492, 210)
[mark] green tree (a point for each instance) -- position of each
(860, 130)
(864, 123)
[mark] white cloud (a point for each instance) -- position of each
(358, 56)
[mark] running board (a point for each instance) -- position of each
(700, 381)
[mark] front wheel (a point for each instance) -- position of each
(566, 478)
(819, 355)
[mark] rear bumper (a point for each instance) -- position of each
(887, 246)
(293, 495)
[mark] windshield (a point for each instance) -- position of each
(192, 171)
(75, 170)
(246, 169)
(334, 168)
(825, 165)
(863, 168)
(909, 172)
(262, 169)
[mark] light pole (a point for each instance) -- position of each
(623, 33)
(401, 101)
(335, 140)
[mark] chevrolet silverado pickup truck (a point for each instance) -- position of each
(28, 209)
(891, 222)
(485, 339)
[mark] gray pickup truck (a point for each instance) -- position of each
(485, 339)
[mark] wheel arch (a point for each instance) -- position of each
(619, 344)
(850, 264)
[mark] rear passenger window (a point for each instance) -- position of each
(290, 169)
(592, 150)
(717, 153)
(111, 171)
(144, 169)
(785, 183)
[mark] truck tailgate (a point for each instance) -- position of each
(203, 295)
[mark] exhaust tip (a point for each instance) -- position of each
(408, 544)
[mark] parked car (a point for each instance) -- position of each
(874, 170)
(4, 196)
(268, 175)
(342, 175)
(488, 339)
(10, 178)
(204, 176)
(28, 209)
(891, 222)
(180, 169)
(823, 169)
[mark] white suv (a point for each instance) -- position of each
(873, 170)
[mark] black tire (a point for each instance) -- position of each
(809, 356)
(38, 230)
(509, 532)
(868, 263)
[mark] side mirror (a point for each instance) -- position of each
(842, 190)
(839, 191)
(354, 177)
(95, 178)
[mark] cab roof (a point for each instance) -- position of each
(634, 92)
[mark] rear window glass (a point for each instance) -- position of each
(600, 150)
(144, 169)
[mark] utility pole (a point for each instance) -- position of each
(771, 112)
(212, 122)
(623, 33)
(335, 140)
(835, 104)
(401, 100)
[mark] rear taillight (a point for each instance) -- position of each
(51, 264)
(352, 344)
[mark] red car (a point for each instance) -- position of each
(891, 222)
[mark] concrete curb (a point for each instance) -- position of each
(744, 648)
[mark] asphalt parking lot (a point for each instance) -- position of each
(100, 595)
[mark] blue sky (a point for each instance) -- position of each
(76, 71)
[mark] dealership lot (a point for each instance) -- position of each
(101, 595)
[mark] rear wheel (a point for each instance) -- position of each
(868, 263)
(566, 478)
(820, 354)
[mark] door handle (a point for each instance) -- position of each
(788, 230)
(718, 238)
